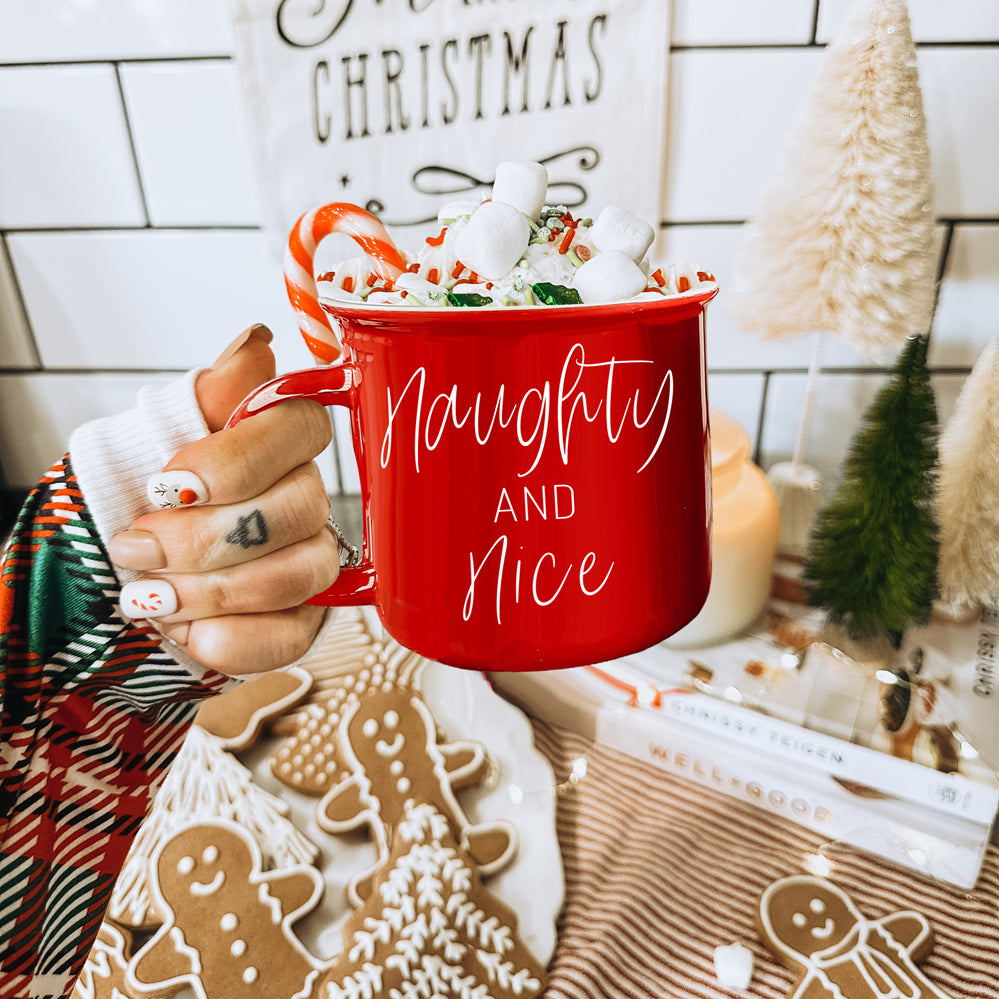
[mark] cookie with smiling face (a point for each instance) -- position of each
(227, 928)
(814, 928)
(389, 742)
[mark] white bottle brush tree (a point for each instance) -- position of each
(967, 498)
(842, 240)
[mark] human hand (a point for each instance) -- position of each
(227, 570)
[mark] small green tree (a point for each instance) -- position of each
(873, 552)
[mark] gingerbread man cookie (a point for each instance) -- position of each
(237, 717)
(204, 783)
(227, 931)
(814, 928)
(390, 743)
(103, 975)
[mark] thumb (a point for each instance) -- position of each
(246, 363)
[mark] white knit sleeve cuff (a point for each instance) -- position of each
(113, 457)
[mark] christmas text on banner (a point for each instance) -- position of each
(401, 106)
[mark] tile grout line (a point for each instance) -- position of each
(19, 301)
(131, 143)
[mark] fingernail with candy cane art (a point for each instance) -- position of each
(176, 488)
(148, 598)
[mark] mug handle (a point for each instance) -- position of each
(329, 386)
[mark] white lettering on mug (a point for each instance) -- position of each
(545, 582)
(531, 415)
(536, 502)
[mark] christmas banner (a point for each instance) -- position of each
(401, 106)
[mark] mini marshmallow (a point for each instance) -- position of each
(521, 184)
(733, 966)
(609, 277)
(617, 229)
(417, 286)
(494, 239)
(413, 282)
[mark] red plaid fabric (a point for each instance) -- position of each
(92, 712)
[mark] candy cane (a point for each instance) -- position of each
(386, 261)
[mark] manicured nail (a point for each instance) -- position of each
(176, 488)
(148, 598)
(256, 330)
(177, 632)
(136, 550)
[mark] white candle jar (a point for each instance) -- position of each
(744, 532)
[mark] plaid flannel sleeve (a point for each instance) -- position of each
(93, 711)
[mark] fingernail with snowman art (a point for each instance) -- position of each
(147, 598)
(176, 488)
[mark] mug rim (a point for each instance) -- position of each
(339, 308)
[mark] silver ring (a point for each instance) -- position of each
(353, 556)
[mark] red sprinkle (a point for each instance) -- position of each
(433, 275)
(566, 240)
(683, 283)
(371, 279)
(348, 284)
(705, 276)
(328, 276)
(458, 268)
(657, 276)
(413, 268)
(438, 239)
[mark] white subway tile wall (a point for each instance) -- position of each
(131, 247)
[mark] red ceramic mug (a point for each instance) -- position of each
(535, 482)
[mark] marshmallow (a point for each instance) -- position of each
(734, 966)
(422, 290)
(523, 185)
(608, 277)
(617, 229)
(494, 239)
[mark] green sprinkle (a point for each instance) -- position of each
(556, 294)
(573, 257)
(473, 300)
(518, 283)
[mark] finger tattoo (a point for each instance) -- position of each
(249, 531)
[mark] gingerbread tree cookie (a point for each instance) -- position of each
(814, 928)
(430, 928)
(228, 927)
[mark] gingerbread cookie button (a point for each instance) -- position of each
(813, 927)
